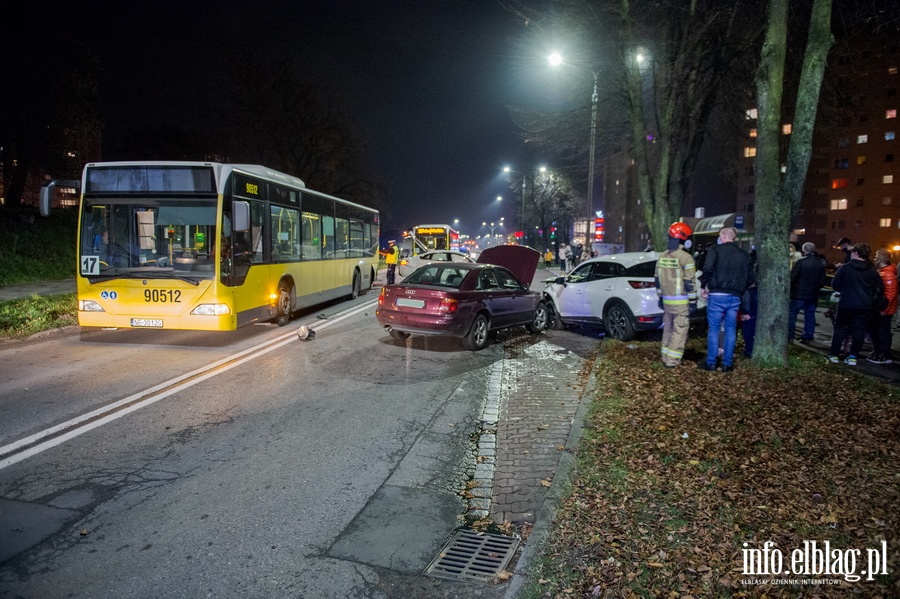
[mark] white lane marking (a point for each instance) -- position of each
(153, 394)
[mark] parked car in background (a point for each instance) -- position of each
(465, 299)
(412, 263)
(617, 292)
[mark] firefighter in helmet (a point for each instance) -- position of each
(677, 289)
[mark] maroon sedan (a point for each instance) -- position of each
(466, 300)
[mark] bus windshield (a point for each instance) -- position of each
(146, 237)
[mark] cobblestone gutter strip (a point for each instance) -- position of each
(486, 459)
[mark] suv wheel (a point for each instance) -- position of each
(618, 323)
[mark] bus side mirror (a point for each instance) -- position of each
(240, 216)
(45, 201)
(46, 197)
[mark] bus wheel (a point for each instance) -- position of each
(355, 286)
(285, 304)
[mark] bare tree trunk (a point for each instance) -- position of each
(776, 199)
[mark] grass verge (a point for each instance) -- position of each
(22, 317)
(679, 468)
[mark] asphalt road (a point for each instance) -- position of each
(247, 464)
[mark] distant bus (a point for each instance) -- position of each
(426, 238)
(213, 247)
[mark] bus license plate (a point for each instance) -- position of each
(147, 322)
(410, 303)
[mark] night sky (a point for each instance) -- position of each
(427, 82)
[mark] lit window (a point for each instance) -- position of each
(892, 70)
(889, 135)
(860, 160)
(800, 231)
(840, 204)
(749, 152)
(862, 139)
(884, 222)
(887, 179)
(786, 129)
(752, 113)
(839, 183)
(890, 114)
(753, 133)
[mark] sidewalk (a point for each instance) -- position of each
(822, 343)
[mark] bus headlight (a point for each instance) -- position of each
(211, 310)
(89, 306)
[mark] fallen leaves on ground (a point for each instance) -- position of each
(679, 468)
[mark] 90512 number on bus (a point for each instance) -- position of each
(162, 296)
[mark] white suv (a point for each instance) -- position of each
(617, 292)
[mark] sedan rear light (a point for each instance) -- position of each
(448, 305)
(646, 318)
(642, 284)
(381, 296)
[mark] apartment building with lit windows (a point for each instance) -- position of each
(853, 182)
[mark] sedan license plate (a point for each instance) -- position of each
(147, 322)
(410, 303)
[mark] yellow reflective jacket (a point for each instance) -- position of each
(676, 277)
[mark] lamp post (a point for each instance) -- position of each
(555, 60)
(493, 227)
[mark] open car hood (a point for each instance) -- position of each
(521, 260)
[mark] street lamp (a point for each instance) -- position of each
(492, 227)
(555, 60)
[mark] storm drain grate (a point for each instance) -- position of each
(470, 555)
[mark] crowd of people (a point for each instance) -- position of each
(570, 256)
(867, 304)
(866, 308)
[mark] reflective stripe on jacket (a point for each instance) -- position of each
(676, 277)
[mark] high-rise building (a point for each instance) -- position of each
(852, 187)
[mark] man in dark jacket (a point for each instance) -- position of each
(807, 278)
(858, 281)
(726, 276)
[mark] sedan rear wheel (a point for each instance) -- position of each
(477, 336)
(618, 323)
(540, 320)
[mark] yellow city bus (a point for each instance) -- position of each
(213, 247)
(426, 238)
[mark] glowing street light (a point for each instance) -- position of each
(555, 60)
(492, 227)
